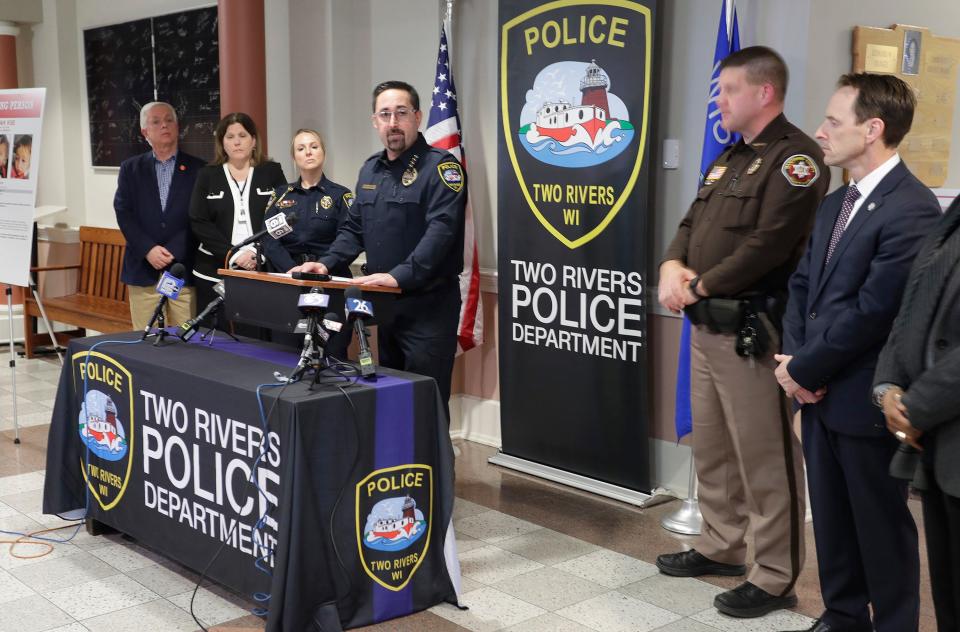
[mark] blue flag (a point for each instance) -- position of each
(715, 140)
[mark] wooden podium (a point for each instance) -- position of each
(270, 300)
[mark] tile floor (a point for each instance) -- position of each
(535, 557)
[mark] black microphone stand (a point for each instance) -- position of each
(314, 354)
(161, 333)
(308, 355)
(215, 327)
(320, 362)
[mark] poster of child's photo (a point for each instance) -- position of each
(4, 155)
(22, 151)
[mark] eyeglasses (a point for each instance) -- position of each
(401, 115)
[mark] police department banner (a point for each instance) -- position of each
(575, 98)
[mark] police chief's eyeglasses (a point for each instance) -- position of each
(402, 114)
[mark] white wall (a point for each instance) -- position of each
(330, 66)
(278, 45)
(475, 62)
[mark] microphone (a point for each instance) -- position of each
(312, 301)
(169, 286)
(359, 310)
(330, 325)
(310, 304)
(192, 326)
(276, 226)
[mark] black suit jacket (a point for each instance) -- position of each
(923, 353)
(144, 224)
(838, 316)
(211, 211)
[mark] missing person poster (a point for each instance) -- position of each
(21, 118)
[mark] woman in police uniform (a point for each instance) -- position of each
(229, 200)
(321, 207)
(320, 204)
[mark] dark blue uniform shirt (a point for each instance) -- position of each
(321, 210)
(408, 216)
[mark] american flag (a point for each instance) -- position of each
(443, 132)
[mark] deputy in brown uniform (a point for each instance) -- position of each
(727, 269)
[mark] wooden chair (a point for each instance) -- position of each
(100, 301)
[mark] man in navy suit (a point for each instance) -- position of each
(844, 296)
(152, 205)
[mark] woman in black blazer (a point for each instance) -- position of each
(229, 199)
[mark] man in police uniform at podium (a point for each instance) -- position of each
(409, 217)
(727, 269)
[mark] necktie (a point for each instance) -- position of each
(849, 199)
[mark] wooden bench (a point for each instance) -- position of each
(100, 301)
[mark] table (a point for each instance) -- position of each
(349, 520)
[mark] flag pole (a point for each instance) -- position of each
(687, 520)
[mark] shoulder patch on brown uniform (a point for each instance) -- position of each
(800, 170)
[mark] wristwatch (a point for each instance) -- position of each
(694, 282)
(879, 391)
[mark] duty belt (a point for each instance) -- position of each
(726, 315)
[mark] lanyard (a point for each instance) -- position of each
(240, 190)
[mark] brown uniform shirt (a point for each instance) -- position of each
(750, 222)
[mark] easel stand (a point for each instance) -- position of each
(13, 354)
(55, 346)
(13, 366)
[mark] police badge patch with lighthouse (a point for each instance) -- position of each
(105, 424)
(575, 100)
(394, 509)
